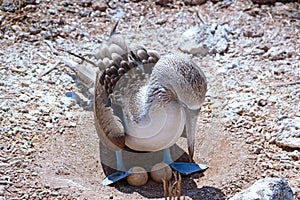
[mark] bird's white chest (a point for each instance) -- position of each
(159, 131)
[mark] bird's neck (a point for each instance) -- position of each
(150, 97)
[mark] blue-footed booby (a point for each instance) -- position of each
(145, 101)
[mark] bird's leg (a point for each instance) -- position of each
(120, 173)
(167, 156)
(120, 163)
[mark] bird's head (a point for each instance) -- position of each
(183, 77)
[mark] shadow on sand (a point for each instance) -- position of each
(153, 189)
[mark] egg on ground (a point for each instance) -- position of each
(161, 171)
(138, 176)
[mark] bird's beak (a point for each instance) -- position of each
(190, 127)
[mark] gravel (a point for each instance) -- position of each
(249, 124)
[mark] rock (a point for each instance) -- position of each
(257, 149)
(263, 1)
(16, 28)
(220, 39)
(163, 2)
(289, 142)
(98, 5)
(194, 2)
(161, 20)
(295, 155)
(34, 31)
(68, 102)
(86, 3)
(280, 53)
(48, 98)
(9, 6)
(204, 40)
(24, 98)
(196, 40)
(4, 106)
(253, 31)
(266, 189)
(49, 125)
(12, 6)
(289, 136)
(238, 107)
(65, 78)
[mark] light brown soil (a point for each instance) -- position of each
(57, 155)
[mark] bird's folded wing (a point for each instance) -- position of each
(114, 84)
(108, 126)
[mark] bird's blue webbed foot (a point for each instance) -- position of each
(183, 167)
(188, 168)
(115, 177)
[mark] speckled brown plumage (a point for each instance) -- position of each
(119, 59)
